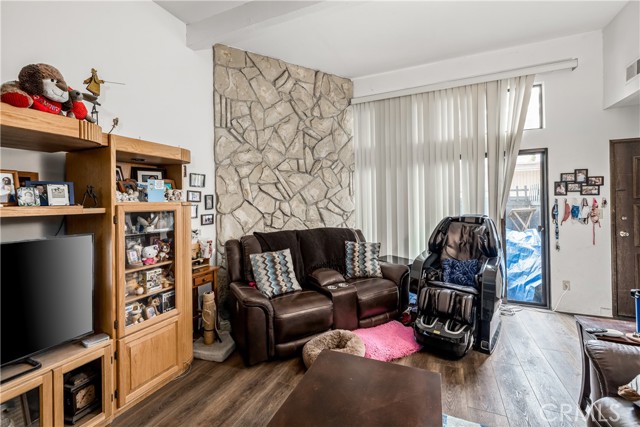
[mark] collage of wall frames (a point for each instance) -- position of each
(578, 181)
(195, 197)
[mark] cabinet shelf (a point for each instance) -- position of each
(145, 233)
(150, 322)
(148, 266)
(132, 298)
(35, 211)
(34, 130)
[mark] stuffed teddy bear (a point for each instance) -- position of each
(39, 86)
(149, 254)
(164, 248)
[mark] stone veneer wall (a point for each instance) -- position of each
(283, 147)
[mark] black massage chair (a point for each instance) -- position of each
(460, 286)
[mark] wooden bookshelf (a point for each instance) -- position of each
(39, 211)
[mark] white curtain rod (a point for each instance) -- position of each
(547, 67)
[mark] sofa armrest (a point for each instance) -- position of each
(613, 365)
(325, 277)
(398, 274)
(250, 296)
(252, 323)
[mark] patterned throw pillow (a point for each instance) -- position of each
(460, 272)
(274, 273)
(362, 259)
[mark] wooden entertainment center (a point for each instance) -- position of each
(140, 356)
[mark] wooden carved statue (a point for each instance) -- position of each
(209, 316)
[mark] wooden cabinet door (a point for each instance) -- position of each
(44, 385)
(146, 360)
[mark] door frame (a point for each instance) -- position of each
(544, 232)
(614, 231)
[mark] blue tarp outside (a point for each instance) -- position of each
(524, 266)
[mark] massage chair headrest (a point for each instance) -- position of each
(486, 238)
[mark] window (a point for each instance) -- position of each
(534, 118)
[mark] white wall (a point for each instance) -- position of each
(577, 135)
(621, 47)
(167, 96)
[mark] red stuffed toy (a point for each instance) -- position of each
(39, 86)
(78, 109)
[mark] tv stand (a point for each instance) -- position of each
(27, 360)
(46, 386)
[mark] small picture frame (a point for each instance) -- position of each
(133, 257)
(169, 184)
(43, 191)
(573, 187)
(24, 176)
(560, 188)
(206, 219)
(194, 196)
(28, 196)
(119, 174)
(569, 177)
(127, 184)
(58, 194)
(595, 180)
(208, 202)
(9, 183)
(581, 175)
(590, 190)
(144, 175)
(196, 179)
(194, 211)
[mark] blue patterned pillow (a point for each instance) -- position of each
(460, 272)
(274, 273)
(362, 259)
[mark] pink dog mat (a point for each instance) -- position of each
(388, 341)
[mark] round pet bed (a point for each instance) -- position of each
(337, 340)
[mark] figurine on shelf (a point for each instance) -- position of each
(154, 302)
(147, 224)
(164, 248)
(135, 315)
(133, 287)
(93, 82)
(173, 195)
(91, 194)
(150, 254)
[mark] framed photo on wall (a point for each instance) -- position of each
(569, 177)
(595, 180)
(581, 175)
(574, 187)
(194, 196)
(208, 202)
(560, 188)
(196, 179)
(194, 211)
(590, 190)
(206, 219)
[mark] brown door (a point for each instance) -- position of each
(625, 210)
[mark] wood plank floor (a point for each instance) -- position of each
(531, 379)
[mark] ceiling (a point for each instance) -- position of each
(355, 39)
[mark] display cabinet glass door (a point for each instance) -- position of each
(148, 268)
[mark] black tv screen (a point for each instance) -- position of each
(46, 294)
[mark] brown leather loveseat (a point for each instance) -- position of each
(266, 328)
(612, 365)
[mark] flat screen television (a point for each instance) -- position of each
(46, 294)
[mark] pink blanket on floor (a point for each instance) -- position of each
(388, 341)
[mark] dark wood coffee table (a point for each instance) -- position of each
(344, 390)
(585, 322)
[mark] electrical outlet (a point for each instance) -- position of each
(566, 285)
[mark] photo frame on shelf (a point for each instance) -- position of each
(119, 174)
(28, 196)
(43, 191)
(590, 190)
(170, 184)
(560, 188)
(142, 174)
(194, 211)
(58, 195)
(194, 196)
(569, 176)
(206, 219)
(574, 187)
(196, 179)
(9, 183)
(581, 175)
(208, 202)
(127, 184)
(24, 176)
(595, 180)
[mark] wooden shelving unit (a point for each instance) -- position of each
(34, 130)
(132, 298)
(35, 211)
(147, 267)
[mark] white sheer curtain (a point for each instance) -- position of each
(422, 157)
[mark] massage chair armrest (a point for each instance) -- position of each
(250, 296)
(322, 277)
(613, 365)
(398, 274)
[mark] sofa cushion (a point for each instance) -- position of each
(324, 248)
(375, 296)
(460, 272)
(280, 240)
(361, 259)
(300, 314)
(274, 273)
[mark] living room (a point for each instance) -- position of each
(163, 82)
